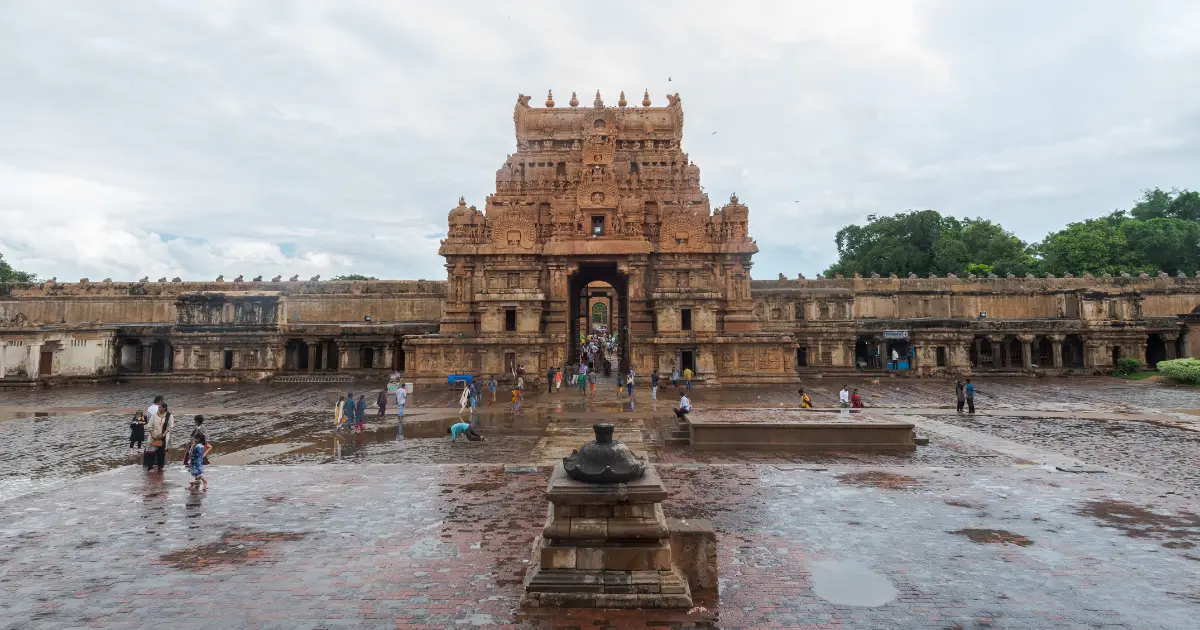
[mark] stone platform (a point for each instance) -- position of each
(796, 430)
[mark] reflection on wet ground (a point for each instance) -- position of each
(59, 434)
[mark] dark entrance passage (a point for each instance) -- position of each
(581, 315)
(1156, 350)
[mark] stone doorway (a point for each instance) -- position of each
(1156, 350)
(599, 283)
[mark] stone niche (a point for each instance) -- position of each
(605, 546)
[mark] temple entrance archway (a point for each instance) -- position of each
(599, 284)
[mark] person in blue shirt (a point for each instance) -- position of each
(360, 412)
(464, 429)
(348, 409)
(970, 397)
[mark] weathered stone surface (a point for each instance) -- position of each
(694, 550)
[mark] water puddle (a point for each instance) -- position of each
(848, 583)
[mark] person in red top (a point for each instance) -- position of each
(856, 400)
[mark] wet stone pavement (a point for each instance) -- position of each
(398, 528)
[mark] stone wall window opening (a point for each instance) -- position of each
(1156, 350)
(599, 314)
(227, 359)
(823, 311)
(366, 357)
(1043, 353)
(162, 357)
(598, 224)
(295, 355)
(940, 356)
(510, 319)
(1014, 357)
(1073, 352)
(685, 319)
(202, 361)
(802, 356)
(827, 357)
(687, 360)
(1116, 354)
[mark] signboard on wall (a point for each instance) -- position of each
(895, 334)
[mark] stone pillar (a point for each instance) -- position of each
(978, 353)
(311, 344)
(389, 356)
(997, 355)
(1172, 344)
(343, 350)
(1026, 351)
(881, 345)
(34, 361)
(3, 358)
(1056, 342)
(147, 354)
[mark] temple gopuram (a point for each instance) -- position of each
(598, 223)
(601, 195)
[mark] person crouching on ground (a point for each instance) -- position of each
(464, 429)
(685, 407)
(197, 453)
(805, 400)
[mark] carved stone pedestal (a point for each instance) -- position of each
(605, 546)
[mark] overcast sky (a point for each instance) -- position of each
(200, 138)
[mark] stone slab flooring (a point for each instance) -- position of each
(1065, 503)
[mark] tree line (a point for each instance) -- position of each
(1161, 232)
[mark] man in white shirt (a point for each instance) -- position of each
(401, 398)
(152, 410)
(685, 406)
(844, 396)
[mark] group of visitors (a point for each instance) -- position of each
(349, 413)
(150, 432)
(964, 393)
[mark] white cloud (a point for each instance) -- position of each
(198, 139)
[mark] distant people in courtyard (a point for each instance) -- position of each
(969, 390)
(582, 379)
(960, 395)
(805, 399)
(684, 408)
(517, 394)
(464, 398)
(158, 429)
(360, 412)
(550, 380)
(654, 385)
(381, 402)
(491, 385)
(558, 379)
(137, 432)
(687, 379)
(521, 377)
(675, 378)
(339, 413)
(198, 453)
(464, 429)
(348, 409)
(844, 397)
(401, 400)
(856, 399)
(592, 382)
(629, 385)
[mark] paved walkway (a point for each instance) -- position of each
(447, 546)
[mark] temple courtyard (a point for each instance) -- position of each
(1062, 503)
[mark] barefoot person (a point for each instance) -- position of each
(159, 430)
(960, 395)
(137, 432)
(197, 454)
(381, 402)
(805, 400)
(685, 407)
(464, 429)
(401, 400)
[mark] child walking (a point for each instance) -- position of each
(196, 466)
(137, 432)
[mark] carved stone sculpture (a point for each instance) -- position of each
(257, 279)
(604, 460)
(294, 278)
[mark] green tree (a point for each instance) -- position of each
(923, 242)
(1092, 246)
(8, 274)
(351, 276)
(1159, 204)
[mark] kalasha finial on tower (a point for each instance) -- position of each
(621, 102)
(549, 98)
(599, 101)
(574, 100)
(646, 98)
